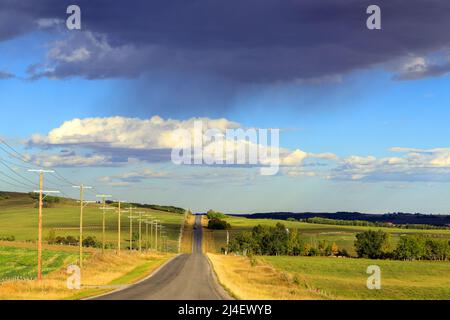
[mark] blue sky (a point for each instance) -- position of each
(359, 112)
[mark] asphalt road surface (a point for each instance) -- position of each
(187, 277)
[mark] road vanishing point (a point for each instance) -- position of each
(186, 277)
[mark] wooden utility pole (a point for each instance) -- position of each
(160, 236)
(104, 208)
(228, 242)
(82, 205)
(156, 235)
(146, 235)
(147, 221)
(41, 203)
(118, 231)
(151, 234)
(131, 230)
(131, 227)
(41, 187)
(140, 230)
(164, 243)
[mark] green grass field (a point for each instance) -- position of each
(345, 278)
(20, 263)
(18, 217)
(343, 236)
(341, 278)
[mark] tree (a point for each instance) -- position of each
(410, 248)
(313, 252)
(243, 242)
(343, 253)
(218, 224)
(90, 241)
(334, 249)
(51, 237)
(211, 214)
(278, 240)
(269, 240)
(295, 245)
(436, 249)
(372, 244)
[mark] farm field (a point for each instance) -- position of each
(18, 218)
(283, 277)
(20, 263)
(343, 236)
(329, 278)
(18, 258)
(101, 273)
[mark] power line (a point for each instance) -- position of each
(17, 155)
(28, 167)
(20, 184)
(20, 157)
(24, 159)
(14, 185)
(14, 163)
(60, 177)
(16, 181)
(16, 173)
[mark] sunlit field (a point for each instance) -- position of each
(343, 236)
(18, 218)
(330, 278)
(20, 263)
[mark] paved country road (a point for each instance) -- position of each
(187, 277)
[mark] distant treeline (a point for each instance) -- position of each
(153, 206)
(398, 218)
(319, 220)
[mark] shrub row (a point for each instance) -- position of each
(278, 240)
(377, 245)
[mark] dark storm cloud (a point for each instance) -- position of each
(245, 40)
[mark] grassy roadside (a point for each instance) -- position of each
(99, 271)
(247, 279)
(296, 278)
